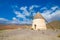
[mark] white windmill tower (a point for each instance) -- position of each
(39, 22)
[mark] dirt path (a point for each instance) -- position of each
(26, 34)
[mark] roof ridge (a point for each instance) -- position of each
(38, 16)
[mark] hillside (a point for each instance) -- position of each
(55, 24)
(12, 26)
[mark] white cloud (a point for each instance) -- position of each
(3, 19)
(23, 8)
(56, 15)
(46, 14)
(14, 18)
(43, 8)
(21, 15)
(6, 21)
(26, 21)
(53, 8)
(17, 21)
(14, 21)
(25, 11)
(18, 14)
(51, 16)
(33, 6)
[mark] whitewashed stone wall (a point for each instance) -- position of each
(39, 23)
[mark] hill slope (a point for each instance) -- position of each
(2, 26)
(55, 24)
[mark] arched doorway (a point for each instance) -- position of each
(35, 26)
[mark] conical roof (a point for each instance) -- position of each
(38, 16)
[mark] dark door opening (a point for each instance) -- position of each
(35, 26)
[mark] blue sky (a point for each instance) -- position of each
(20, 11)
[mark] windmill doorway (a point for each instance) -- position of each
(35, 26)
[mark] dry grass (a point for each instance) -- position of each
(54, 24)
(58, 35)
(27, 34)
(4, 27)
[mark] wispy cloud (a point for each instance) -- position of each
(53, 8)
(52, 14)
(25, 11)
(3, 19)
(44, 8)
(49, 16)
(18, 14)
(14, 21)
(33, 6)
(55, 15)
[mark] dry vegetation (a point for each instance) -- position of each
(3, 27)
(54, 24)
(58, 35)
(27, 34)
(24, 32)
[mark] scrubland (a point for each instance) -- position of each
(28, 34)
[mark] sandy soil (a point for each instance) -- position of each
(28, 34)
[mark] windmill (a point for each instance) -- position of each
(39, 22)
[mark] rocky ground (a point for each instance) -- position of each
(28, 34)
